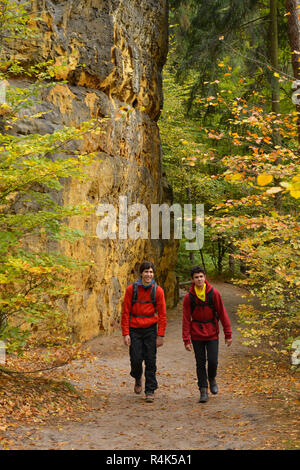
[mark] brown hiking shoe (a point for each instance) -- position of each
(203, 395)
(150, 397)
(213, 386)
(138, 386)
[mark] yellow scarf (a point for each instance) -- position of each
(201, 292)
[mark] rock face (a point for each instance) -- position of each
(111, 53)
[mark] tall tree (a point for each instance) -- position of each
(274, 56)
(293, 12)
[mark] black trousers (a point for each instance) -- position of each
(143, 348)
(206, 352)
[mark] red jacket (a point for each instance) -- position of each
(144, 309)
(204, 331)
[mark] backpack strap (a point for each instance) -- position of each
(134, 293)
(153, 294)
(192, 302)
(208, 301)
(152, 300)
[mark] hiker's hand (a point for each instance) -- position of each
(228, 341)
(126, 340)
(159, 341)
(188, 347)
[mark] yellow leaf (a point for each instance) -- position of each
(264, 179)
(234, 177)
(295, 192)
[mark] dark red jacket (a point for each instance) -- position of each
(204, 331)
(144, 309)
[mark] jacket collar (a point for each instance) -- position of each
(140, 283)
(192, 288)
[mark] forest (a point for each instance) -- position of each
(228, 127)
(230, 134)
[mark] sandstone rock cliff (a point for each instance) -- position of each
(111, 52)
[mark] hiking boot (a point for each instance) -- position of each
(150, 397)
(138, 386)
(203, 395)
(213, 387)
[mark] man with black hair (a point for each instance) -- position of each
(143, 327)
(202, 309)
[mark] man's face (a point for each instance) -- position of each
(198, 279)
(147, 276)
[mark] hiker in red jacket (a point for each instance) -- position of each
(143, 327)
(202, 308)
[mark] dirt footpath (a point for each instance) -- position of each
(122, 420)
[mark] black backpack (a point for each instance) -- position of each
(209, 302)
(135, 300)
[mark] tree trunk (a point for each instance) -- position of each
(191, 253)
(243, 267)
(274, 56)
(221, 252)
(202, 258)
(231, 264)
(292, 7)
(275, 82)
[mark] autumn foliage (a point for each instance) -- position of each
(242, 161)
(263, 225)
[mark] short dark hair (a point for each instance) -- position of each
(197, 269)
(147, 265)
